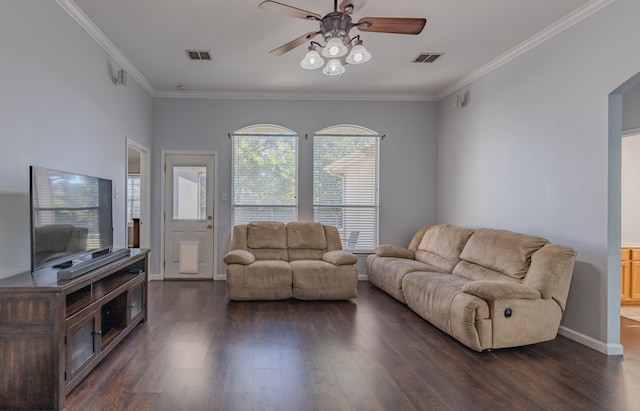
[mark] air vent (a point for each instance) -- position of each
(199, 54)
(427, 57)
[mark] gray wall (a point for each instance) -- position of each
(408, 153)
(58, 109)
(530, 153)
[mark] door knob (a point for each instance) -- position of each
(210, 226)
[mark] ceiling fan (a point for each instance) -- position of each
(339, 46)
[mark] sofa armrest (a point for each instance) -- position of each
(239, 257)
(339, 257)
(390, 250)
(497, 290)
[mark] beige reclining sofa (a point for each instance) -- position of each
(301, 259)
(487, 288)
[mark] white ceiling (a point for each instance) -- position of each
(149, 38)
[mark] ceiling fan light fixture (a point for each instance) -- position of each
(359, 54)
(312, 60)
(334, 48)
(335, 27)
(333, 68)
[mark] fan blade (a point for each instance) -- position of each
(289, 10)
(294, 43)
(391, 25)
(351, 6)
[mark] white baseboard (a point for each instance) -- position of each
(219, 277)
(363, 277)
(600, 346)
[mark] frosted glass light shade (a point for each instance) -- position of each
(333, 68)
(312, 60)
(358, 55)
(334, 48)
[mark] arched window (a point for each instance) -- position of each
(345, 184)
(264, 174)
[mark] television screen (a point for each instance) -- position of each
(71, 215)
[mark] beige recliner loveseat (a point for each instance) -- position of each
(487, 288)
(301, 259)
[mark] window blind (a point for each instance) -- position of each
(345, 187)
(264, 178)
(133, 196)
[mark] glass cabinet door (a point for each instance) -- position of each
(136, 301)
(83, 344)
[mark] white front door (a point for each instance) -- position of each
(189, 233)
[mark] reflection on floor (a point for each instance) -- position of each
(631, 312)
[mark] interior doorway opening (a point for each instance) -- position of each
(137, 196)
(630, 226)
(615, 219)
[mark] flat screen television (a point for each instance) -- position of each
(71, 217)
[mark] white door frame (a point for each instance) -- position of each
(145, 190)
(164, 154)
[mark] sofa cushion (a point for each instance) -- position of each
(550, 272)
(503, 251)
(391, 250)
(387, 272)
(296, 254)
(276, 286)
(438, 298)
(497, 290)
(239, 257)
(333, 238)
(340, 257)
(267, 274)
(441, 246)
(267, 234)
(321, 280)
(417, 237)
(306, 234)
(475, 272)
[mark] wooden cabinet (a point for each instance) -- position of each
(54, 332)
(630, 276)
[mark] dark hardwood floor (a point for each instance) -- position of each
(198, 351)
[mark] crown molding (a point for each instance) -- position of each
(578, 15)
(533, 41)
(238, 95)
(89, 26)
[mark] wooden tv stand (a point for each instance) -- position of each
(54, 332)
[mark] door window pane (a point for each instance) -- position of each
(189, 192)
